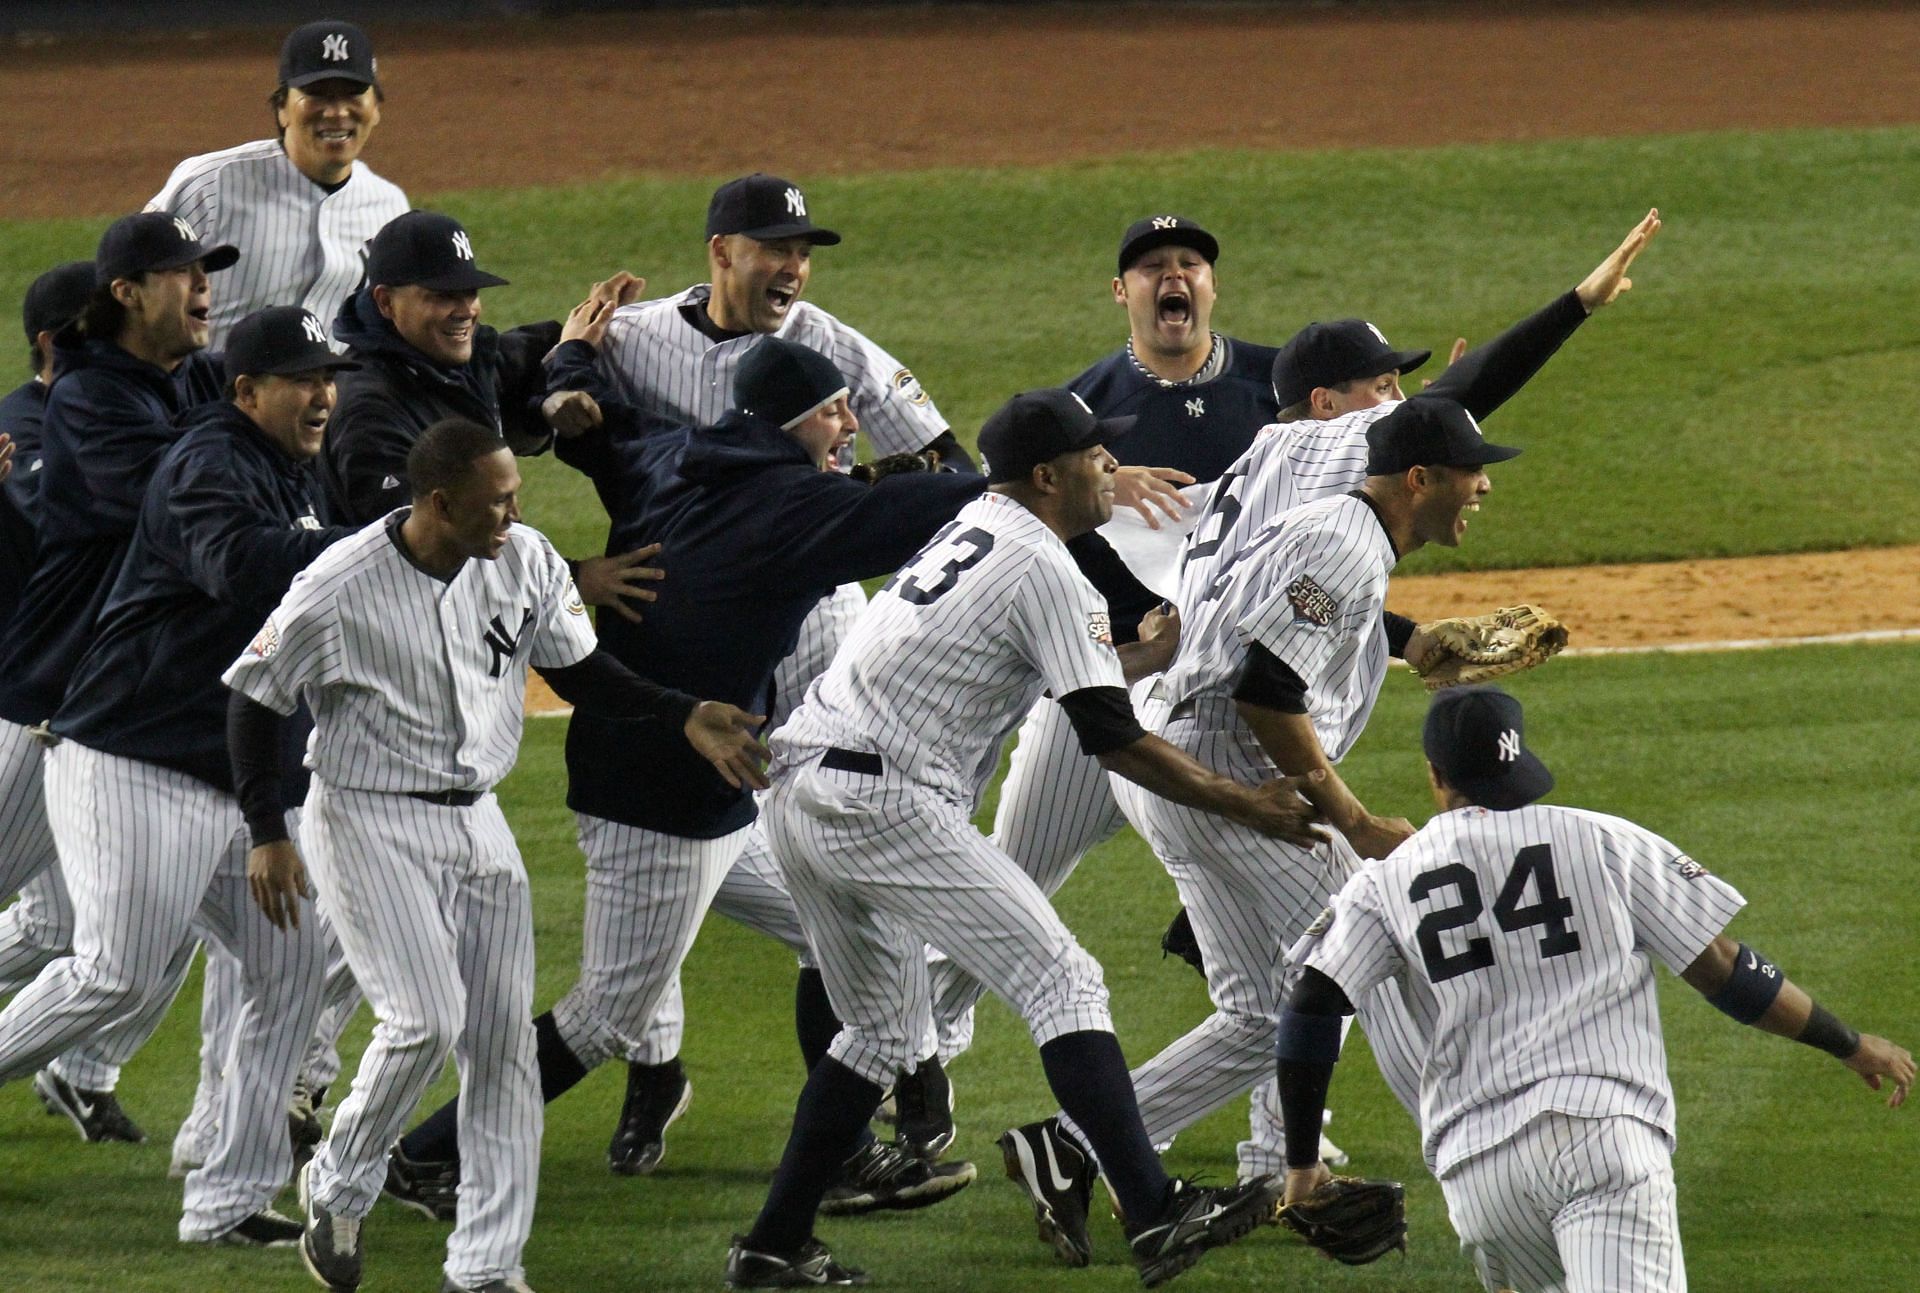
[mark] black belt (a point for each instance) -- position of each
(449, 798)
(862, 761)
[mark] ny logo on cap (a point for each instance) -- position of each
(796, 203)
(1166, 222)
(1082, 403)
(185, 229)
(463, 246)
(1379, 335)
(311, 326)
(334, 48)
(1510, 745)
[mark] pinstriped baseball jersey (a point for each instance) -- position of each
(415, 683)
(299, 244)
(1309, 588)
(663, 364)
(1526, 942)
(934, 682)
(1289, 464)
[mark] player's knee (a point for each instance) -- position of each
(1069, 996)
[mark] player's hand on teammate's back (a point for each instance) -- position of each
(278, 880)
(1609, 278)
(612, 581)
(1278, 809)
(1879, 1059)
(1375, 837)
(723, 735)
(1145, 488)
(571, 413)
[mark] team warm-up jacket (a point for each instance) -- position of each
(109, 418)
(228, 521)
(398, 392)
(21, 411)
(753, 536)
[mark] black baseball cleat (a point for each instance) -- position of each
(264, 1229)
(923, 1105)
(812, 1267)
(330, 1245)
(657, 1094)
(96, 1114)
(879, 1178)
(1197, 1218)
(430, 1189)
(1058, 1176)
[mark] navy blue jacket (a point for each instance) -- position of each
(109, 418)
(398, 393)
(20, 415)
(1199, 429)
(753, 536)
(229, 520)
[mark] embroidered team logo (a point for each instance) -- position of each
(313, 328)
(1100, 627)
(796, 203)
(572, 600)
(1196, 408)
(185, 230)
(463, 245)
(504, 642)
(1509, 751)
(265, 642)
(1321, 923)
(908, 385)
(334, 48)
(1686, 867)
(307, 522)
(1379, 336)
(1311, 602)
(1166, 222)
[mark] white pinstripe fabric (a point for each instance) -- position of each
(1571, 1205)
(299, 244)
(152, 855)
(432, 905)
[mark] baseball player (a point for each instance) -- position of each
(139, 795)
(875, 776)
(410, 643)
(676, 358)
(302, 204)
(761, 527)
(132, 362)
(1524, 935)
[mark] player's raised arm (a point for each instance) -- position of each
(1744, 984)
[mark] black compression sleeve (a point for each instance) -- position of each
(1316, 1000)
(1102, 718)
(608, 688)
(253, 747)
(1399, 628)
(1128, 600)
(1270, 682)
(1488, 376)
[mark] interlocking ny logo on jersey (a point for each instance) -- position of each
(1509, 745)
(334, 48)
(796, 203)
(1196, 408)
(463, 246)
(503, 643)
(313, 328)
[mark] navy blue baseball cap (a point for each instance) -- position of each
(57, 297)
(428, 249)
(153, 240)
(1148, 232)
(783, 382)
(1326, 354)
(765, 207)
(1038, 426)
(325, 51)
(1429, 431)
(278, 340)
(1476, 737)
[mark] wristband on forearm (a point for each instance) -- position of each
(1824, 1032)
(1750, 989)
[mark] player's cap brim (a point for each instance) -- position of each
(1107, 430)
(1488, 453)
(1400, 361)
(305, 79)
(212, 259)
(465, 279)
(813, 233)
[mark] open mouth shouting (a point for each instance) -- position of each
(780, 298)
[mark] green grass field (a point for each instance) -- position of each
(1751, 395)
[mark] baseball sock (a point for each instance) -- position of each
(1089, 1078)
(833, 1110)
(437, 1138)
(817, 1025)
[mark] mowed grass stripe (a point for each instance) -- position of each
(1786, 772)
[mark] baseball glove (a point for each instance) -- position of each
(1179, 941)
(1477, 648)
(872, 473)
(1351, 1220)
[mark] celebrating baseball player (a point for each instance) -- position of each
(129, 365)
(410, 644)
(230, 516)
(875, 776)
(760, 526)
(1524, 935)
(677, 358)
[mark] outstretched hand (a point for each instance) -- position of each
(1145, 488)
(1609, 279)
(611, 581)
(588, 320)
(1878, 1060)
(723, 735)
